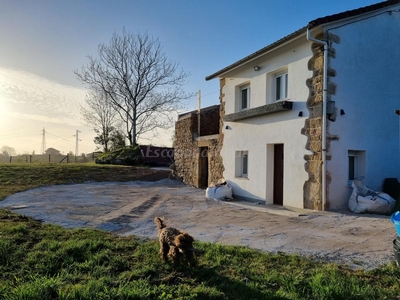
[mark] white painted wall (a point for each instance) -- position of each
(367, 63)
(255, 134)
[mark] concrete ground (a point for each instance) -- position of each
(128, 208)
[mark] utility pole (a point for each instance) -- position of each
(43, 147)
(76, 143)
(198, 112)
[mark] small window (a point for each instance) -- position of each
(352, 166)
(244, 97)
(245, 160)
(242, 164)
(281, 83)
(356, 165)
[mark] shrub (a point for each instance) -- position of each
(124, 156)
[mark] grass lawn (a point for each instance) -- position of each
(20, 177)
(42, 261)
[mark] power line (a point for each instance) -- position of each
(69, 141)
(202, 96)
(61, 140)
(209, 94)
(45, 135)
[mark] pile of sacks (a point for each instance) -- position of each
(365, 200)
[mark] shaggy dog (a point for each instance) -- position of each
(174, 243)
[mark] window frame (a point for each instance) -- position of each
(283, 88)
(356, 165)
(353, 164)
(242, 164)
(245, 164)
(244, 88)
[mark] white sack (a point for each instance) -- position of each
(365, 200)
(219, 192)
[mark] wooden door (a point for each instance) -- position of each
(278, 174)
(203, 168)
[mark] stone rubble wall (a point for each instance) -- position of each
(185, 149)
(209, 122)
(215, 163)
(312, 189)
(187, 146)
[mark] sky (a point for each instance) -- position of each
(42, 43)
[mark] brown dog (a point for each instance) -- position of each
(174, 243)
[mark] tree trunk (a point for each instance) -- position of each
(105, 142)
(134, 131)
(133, 142)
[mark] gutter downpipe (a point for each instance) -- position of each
(324, 103)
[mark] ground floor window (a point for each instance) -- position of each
(241, 164)
(356, 165)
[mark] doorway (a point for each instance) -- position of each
(203, 168)
(278, 174)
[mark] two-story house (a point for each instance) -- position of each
(304, 116)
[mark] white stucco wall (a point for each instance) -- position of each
(367, 63)
(258, 134)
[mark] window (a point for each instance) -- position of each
(356, 165)
(352, 166)
(244, 97)
(242, 164)
(281, 86)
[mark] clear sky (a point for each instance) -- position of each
(43, 41)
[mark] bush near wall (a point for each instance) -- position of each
(124, 156)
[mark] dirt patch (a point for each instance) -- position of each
(128, 208)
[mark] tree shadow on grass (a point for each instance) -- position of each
(242, 288)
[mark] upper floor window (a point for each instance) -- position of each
(280, 86)
(244, 97)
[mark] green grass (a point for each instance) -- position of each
(43, 261)
(20, 177)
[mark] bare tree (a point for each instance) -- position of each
(101, 116)
(142, 84)
(8, 151)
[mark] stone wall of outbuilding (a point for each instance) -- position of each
(190, 147)
(185, 149)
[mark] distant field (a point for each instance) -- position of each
(48, 158)
(20, 177)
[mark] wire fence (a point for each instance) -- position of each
(49, 158)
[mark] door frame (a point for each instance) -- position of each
(269, 186)
(279, 167)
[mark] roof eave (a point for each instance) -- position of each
(351, 13)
